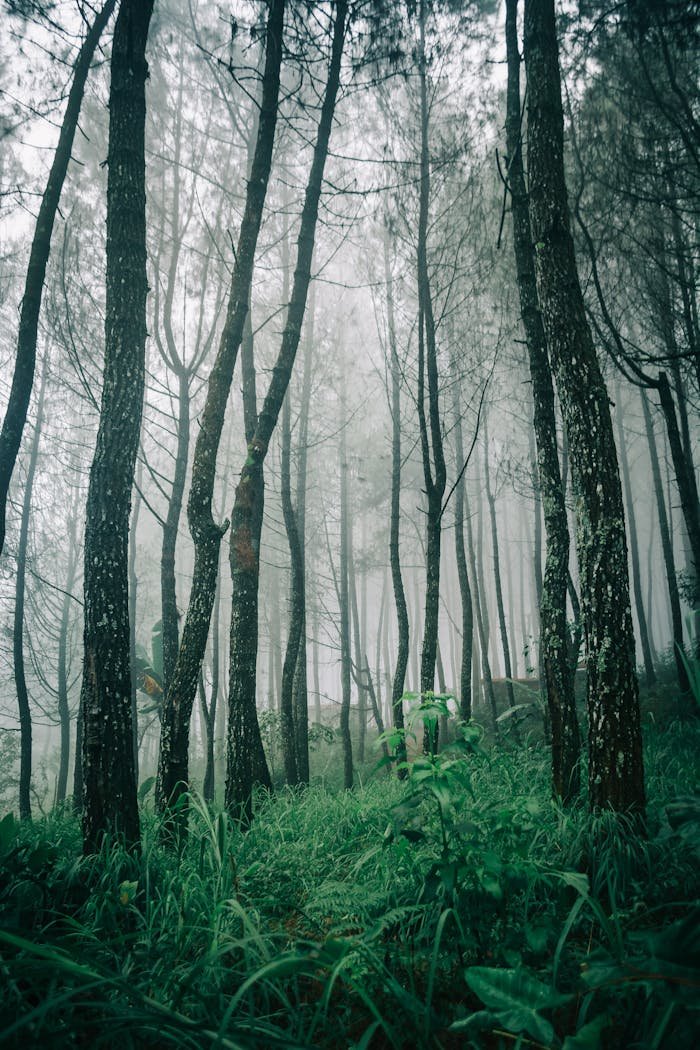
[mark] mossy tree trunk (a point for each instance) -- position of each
(109, 776)
(616, 774)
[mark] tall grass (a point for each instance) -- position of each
(429, 913)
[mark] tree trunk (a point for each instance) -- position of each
(465, 670)
(110, 803)
(173, 773)
(483, 636)
(667, 549)
(301, 693)
(296, 597)
(500, 610)
(209, 783)
(554, 661)
(432, 454)
(25, 714)
(684, 472)
(649, 672)
(399, 679)
(616, 774)
(344, 601)
(244, 744)
(63, 662)
(23, 378)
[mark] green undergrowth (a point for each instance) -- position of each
(459, 908)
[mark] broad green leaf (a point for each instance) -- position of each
(516, 997)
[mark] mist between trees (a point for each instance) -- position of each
(361, 380)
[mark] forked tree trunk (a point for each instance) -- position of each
(555, 665)
(245, 757)
(23, 378)
(110, 804)
(173, 772)
(616, 773)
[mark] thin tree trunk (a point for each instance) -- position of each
(25, 361)
(649, 672)
(684, 472)
(63, 661)
(243, 738)
(434, 472)
(173, 773)
(301, 697)
(209, 783)
(616, 773)
(25, 714)
(667, 549)
(289, 751)
(465, 671)
(344, 600)
(110, 803)
(483, 637)
(133, 592)
(500, 610)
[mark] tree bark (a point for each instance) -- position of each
(173, 772)
(110, 803)
(554, 661)
(243, 738)
(25, 361)
(616, 774)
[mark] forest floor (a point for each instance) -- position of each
(461, 907)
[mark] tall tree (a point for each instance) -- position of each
(23, 378)
(555, 665)
(244, 746)
(110, 803)
(399, 679)
(173, 773)
(616, 774)
(434, 471)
